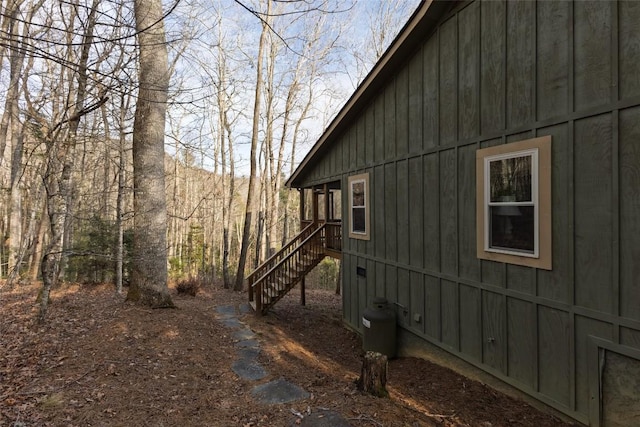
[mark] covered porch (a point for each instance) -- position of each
(322, 205)
(320, 236)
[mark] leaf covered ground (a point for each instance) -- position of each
(100, 361)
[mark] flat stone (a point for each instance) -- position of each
(245, 308)
(243, 334)
(248, 369)
(247, 344)
(226, 310)
(323, 418)
(250, 353)
(278, 391)
(231, 323)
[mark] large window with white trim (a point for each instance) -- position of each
(514, 202)
(359, 206)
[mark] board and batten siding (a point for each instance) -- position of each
(491, 73)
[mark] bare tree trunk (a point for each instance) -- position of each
(124, 106)
(58, 175)
(228, 180)
(229, 209)
(260, 232)
(246, 231)
(15, 219)
(10, 129)
(296, 132)
(56, 187)
(30, 239)
(38, 244)
(268, 215)
(149, 282)
(15, 63)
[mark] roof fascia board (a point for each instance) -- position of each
(375, 78)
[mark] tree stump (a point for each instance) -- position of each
(373, 376)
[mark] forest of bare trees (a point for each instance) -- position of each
(144, 141)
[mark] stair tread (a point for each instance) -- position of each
(277, 283)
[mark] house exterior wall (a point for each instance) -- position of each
(494, 73)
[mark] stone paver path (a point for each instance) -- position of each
(247, 367)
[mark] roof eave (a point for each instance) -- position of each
(423, 20)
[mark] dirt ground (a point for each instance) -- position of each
(100, 361)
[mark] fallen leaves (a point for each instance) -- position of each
(112, 363)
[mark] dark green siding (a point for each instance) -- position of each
(593, 228)
(522, 340)
(491, 73)
(470, 321)
(553, 59)
(629, 45)
(592, 65)
(553, 284)
(494, 331)
(630, 212)
(469, 265)
(492, 68)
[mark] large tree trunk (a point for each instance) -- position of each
(149, 277)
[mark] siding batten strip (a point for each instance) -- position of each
(571, 206)
(615, 209)
(615, 159)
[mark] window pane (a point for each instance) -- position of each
(512, 227)
(321, 207)
(308, 204)
(510, 179)
(337, 204)
(357, 193)
(359, 225)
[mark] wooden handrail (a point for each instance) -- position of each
(274, 278)
(281, 276)
(280, 252)
(290, 254)
(273, 260)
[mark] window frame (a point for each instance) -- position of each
(540, 151)
(352, 180)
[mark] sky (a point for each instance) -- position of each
(357, 31)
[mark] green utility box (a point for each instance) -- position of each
(379, 328)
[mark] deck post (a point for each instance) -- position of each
(303, 300)
(301, 190)
(314, 202)
(326, 202)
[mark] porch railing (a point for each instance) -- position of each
(273, 279)
(334, 236)
(280, 255)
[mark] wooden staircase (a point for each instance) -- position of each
(280, 273)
